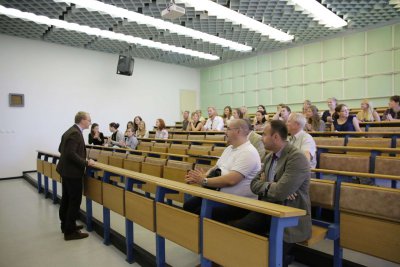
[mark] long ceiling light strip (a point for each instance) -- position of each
(117, 12)
(320, 13)
(395, 3)
(15, 13)
(221, 12)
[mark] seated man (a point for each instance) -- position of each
(285, 180)
(214, 122)
(238, 165)
(300, 139)
(393, 112)
(131, 141)
(185, 121)
(256, 140)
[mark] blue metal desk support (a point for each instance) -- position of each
(54, 184)
(334, 230)
(160, 241)
(372, 160)
(206, 212)
(89, 209)
(129, 233)
(46, 180)
(39, 176)
(106, 214)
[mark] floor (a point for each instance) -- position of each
(30, 236)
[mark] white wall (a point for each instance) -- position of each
(58, 81)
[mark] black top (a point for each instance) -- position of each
(395, 115)
(95, 141)
(185, 124)
(325, 115)
(348, 126)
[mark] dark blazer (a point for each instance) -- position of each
(72, 148)
(292, 176)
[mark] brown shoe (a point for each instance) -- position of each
(75, 235)
(77, 227)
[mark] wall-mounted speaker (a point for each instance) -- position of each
(125, 65)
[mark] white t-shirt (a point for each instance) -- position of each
(305, 142)
(216, 124)
(245, 160)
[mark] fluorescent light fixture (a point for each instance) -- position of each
(320, 13)
(117, 12)
(221, 12)
(14, 13)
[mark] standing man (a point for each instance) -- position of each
(300, 139)
(214, 122)
(71, 167)
(285, 180)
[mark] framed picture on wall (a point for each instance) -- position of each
(16, 100)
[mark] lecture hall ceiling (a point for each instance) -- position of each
(358, 14)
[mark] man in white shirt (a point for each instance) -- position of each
(214, 122)
(238, 165)
(300, 139)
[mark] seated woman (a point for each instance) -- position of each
(136, 122)
(141, 132)
(116, 136)
(261, 121)
(261, 108)
(367, 113)
(95, 136)
(227, 115)
(195, 124)
(129, 125)
(237, 113)
(277, 114)
(314, 122)
(343, 122)
(306, 105)
(327, 115)
(161, 131)
(393, 112)
(131, 141)
(243, 109)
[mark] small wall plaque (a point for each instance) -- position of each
(16, 100)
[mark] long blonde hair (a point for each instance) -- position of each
(366, 115)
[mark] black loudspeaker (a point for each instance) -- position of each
(125, 65)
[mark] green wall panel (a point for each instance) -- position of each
(354, 88)
(205, 75)
(278, 96)
(313, 92)
(237, 69)
(250, 82)
(333, 89)
(397, 84)
(295, 56)
(380, 86)
(312, 73)
(312, 52)
(379, 62)
(263, 63)
(397, 35)
(264, 97)
(295, 75)
(379, 39)
(354, 66)
(278, 59)
(278, 78)
(263, 80)
(237, 100)
(226, 86)
(250, 65)
(250, 99)
(221, 101)
(215, 73)
(237, 84)
(295, 94)
(332, 69)
(354, 44)
(215, 87)
(226, 70)
(396, 60)
(332, 48)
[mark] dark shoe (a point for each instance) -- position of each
(78, 227)
(75, 235)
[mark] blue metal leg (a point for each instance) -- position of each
(129, 240)
(278, 225)
(106, 225)
(169, 202)
(318, 213)
(337, 253)
(160, 251)
(89, 215)
(46, 186)
(54, 192)
(39, 182)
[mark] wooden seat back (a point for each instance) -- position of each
(329, 141)
(387, 165)
(152, 166)
(176, 171)
(368, 142)
(217, 151)
(196, 137)
(145, 146)
(340, 162)
(133, 163)
(180, 136)
(215, 137)
(160, 147)
(199, 150)
(122, 155)
(178, 149)
(94, 153)
(322, 193)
